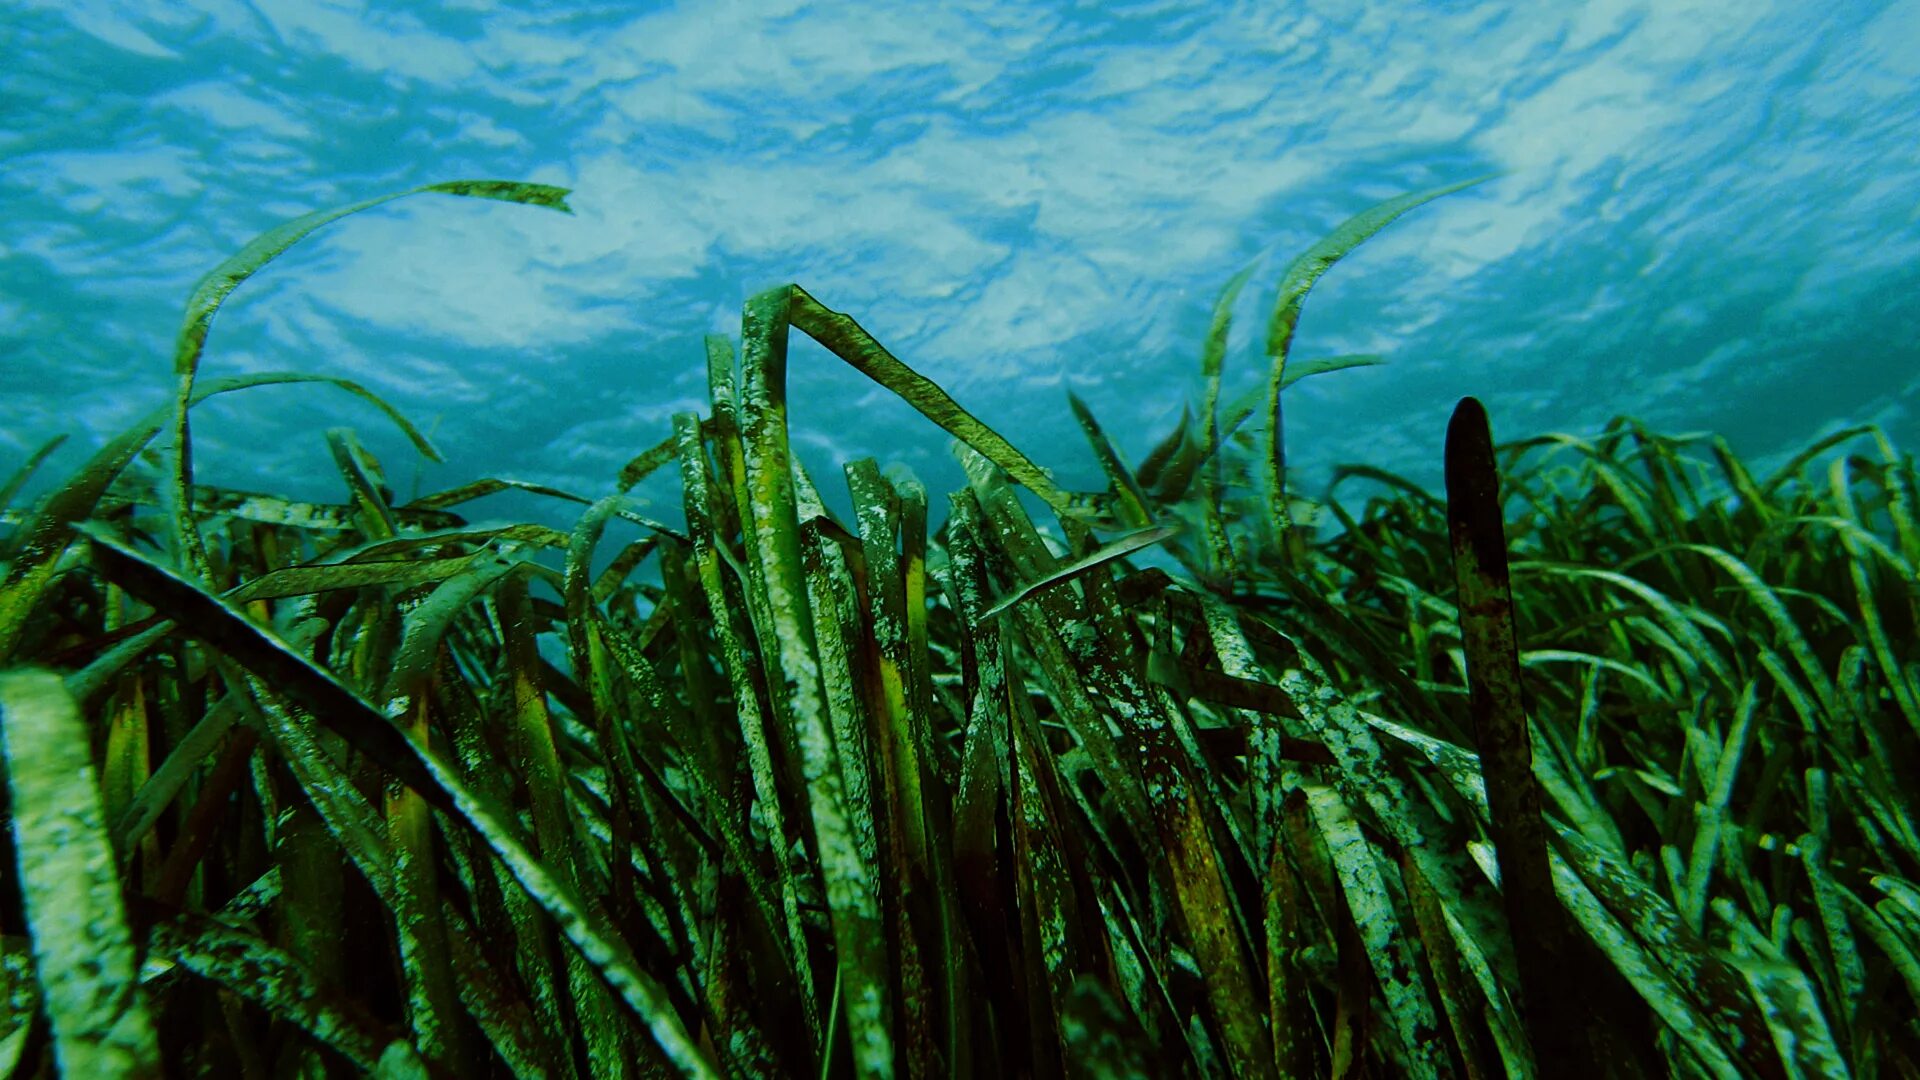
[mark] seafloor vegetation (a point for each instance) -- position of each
(326, 790)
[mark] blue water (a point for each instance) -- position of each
(1708, 220)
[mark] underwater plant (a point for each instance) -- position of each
(1611, 785)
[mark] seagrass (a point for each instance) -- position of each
(299, 788)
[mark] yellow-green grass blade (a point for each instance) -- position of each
(366, 485)
(144, 809)
(213, 289)
(1299, 279)
(795, 666)
(82, 949)
(1194, 865)
(910, 784)
(733, 628)
(425, 951)
(33, 553)
(332, 704)
(20, 1000)
(561, 984)
(595, 671)
(1556, 1019)
(1285, 922)
(1797, 464)
(26, 470)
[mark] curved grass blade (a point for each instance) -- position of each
(1295, 283)
(1125, 545)
(1320, 365)
(83, 951)
(26, 470)
(213, 289)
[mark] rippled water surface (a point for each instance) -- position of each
(1706, 219)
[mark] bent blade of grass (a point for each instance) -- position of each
(849, 341)
(83, 951)
(1768, 601)
(491, 485)
(771, 516)
(213, 289)
(1799, 461)
(219, 625)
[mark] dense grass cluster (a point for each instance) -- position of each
(1593, 766)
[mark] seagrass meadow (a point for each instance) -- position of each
(1599, 764)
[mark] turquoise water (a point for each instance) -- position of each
(1707, 220)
